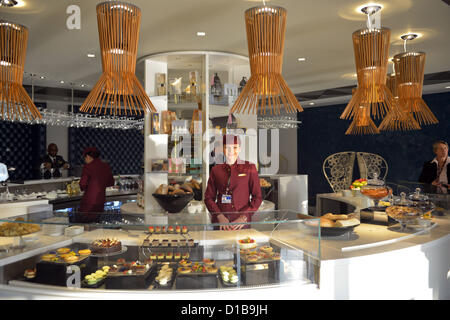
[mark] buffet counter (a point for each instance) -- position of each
(370, 262)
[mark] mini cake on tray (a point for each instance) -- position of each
(247, 243)
(104, 246)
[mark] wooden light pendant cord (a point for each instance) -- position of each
(118, 90)
(266, 88)
(15, 101)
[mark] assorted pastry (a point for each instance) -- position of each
(30, 273)
(403, 213)
(257, 254)
(174, 189)
(164, 275)
(331, 220)
(15, 229)
(228, 275)
(264, 183)
(130, 268)
(97, 276)
(168, 229)
(205, 267)
(65, 255)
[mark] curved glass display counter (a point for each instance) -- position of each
(114, 251)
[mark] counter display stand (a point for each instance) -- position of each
(283, 256)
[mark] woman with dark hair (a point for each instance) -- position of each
(96, 177)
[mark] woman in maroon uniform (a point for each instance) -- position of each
(96, 177)
(230, 187)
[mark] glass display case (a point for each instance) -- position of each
(179, 251)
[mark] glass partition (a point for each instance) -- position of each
(161, 251)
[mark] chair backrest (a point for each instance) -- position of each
(370, 163)
(338, 169)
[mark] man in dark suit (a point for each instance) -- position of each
(53, 162)
(436, 172)
(233, 193)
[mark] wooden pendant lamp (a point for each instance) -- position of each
(371, 49)
(266, 88)
(409, 73)
(16, 104)
(362, 123)
(118, 89)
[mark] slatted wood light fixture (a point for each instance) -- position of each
(15, 101)
(118, 87)
(371, 49)
(409, 73)
(266, 88)
(362, 123)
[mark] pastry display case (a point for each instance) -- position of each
(179, 251)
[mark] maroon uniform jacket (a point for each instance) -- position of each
(244, 181)
(96, 177)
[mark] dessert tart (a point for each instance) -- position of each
(247, 243)
(177, 256)
(170, 229)
(184, 229)
(49, 257)
(208, 262)
(211, 269)
(104, 246)
(252, 258)
(151, 229)
(71, 259)
(185, 255)
(184, 270)
(185, 263)
(120, 261)
(174, 243)
(169, 255)
(63, 250)
(29, 273)
(160, 256)
(163, 229)
(276, 256)
(153, 256)
(178, 229)
(84, 252)
(158, 230)
(266, 249)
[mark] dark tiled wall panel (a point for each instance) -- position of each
(21, 146)
(322, 133)
(123, 149)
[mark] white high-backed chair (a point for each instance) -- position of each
(338, 169)
(370, 163)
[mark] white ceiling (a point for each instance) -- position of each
(319, 30)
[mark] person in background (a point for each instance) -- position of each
(437, 172)
(53, 161)
(96, 177)
(233, 193)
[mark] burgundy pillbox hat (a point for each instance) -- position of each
(231, 139)
(92, 151)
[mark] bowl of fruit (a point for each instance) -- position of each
(357, 185)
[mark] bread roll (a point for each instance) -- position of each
(187, 188)
(335, 217)
(324, 222)
(162, 189)
(179, 191)
(347, 223)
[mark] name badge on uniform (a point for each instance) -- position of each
(226, 198)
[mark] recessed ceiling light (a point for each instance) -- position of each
(447, 87)
(42, 77)
(409, 36)
(311, 103)
(201, 34)
(91, 55)
(82, 85)
(61, 81)
(301, 59)
(370, 8)
(8, 3)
